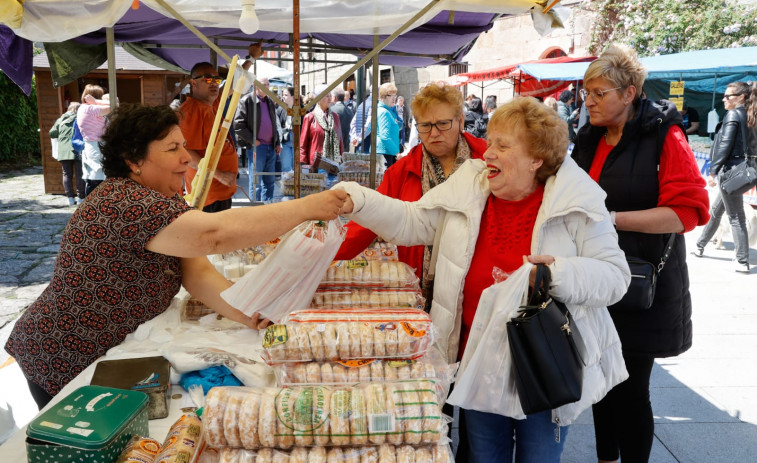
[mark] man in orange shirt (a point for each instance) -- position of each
(198, 114)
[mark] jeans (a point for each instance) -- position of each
(389, 160)
(493, 438)
(70, 167)
(265, 161)
(90, 185)
(623, 420)
(733, 205)
(287, 155)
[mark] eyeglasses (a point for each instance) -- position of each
(596, 95)
(208, 78)
(732, 95)
(442, 126)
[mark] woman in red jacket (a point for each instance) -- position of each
(438, 113)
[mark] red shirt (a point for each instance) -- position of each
(196, 124)
(401, 181)
(681, 184)
(507, 228)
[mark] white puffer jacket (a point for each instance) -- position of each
(573, 225)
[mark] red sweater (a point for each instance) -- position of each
(401, 181)
(507, 228)
(681, 184)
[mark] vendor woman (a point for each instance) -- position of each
(130, 246)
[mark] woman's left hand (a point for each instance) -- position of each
(711, 181)
(543, 259)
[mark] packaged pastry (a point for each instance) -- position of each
(367, 297)
(182, 440)
(385, 453)
(403, 412)
(348, 334)
(139, 450)
(369, 273)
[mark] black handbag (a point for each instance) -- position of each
(740, 178)
(743, 176)
(641, 291)
(547, 350)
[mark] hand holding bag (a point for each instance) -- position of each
(548, 352)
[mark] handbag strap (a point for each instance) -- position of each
(666, 253)
(744, 145)
(542, 282)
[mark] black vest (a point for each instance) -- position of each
(629, 177)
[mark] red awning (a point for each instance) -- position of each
(523, 83)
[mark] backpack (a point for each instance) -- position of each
(77, 140)
(479, 126)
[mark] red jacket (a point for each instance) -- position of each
(402, 181)
(311, 137)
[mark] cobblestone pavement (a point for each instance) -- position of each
(31, 224)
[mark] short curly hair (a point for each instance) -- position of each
(541, 128)
(620, 65)
(131, 128)
(434, 93)
(387, 89)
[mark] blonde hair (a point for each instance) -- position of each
(540, 128)
(435, 93)
(387, 89)
(620, 65)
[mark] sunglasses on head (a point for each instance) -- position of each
(208, 78)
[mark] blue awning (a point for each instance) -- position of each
(698, 69)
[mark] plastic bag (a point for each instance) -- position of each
(349, 334)
(484, 382)
(383, 453)
(54, 148)
(398, 412)
(287, 279)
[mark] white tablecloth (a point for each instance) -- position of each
(188, 347)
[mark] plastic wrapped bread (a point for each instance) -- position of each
(369, 370)
(386, 453)
(369, 273)
(182, 440)
(313, 416)
(374, 298)
(350, 334)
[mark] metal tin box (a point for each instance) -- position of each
(91, 424)
(150, 375)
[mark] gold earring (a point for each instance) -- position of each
(139, 171)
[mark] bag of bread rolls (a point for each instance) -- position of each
(139, 449)
(215, 408)
(182, 440)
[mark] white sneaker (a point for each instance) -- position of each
(71, 201)
(741, 268)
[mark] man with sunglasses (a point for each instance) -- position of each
(196, 123)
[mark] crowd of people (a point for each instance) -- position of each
(486, 190)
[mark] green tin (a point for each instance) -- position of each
(92, 424)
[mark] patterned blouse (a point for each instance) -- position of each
(105, 283)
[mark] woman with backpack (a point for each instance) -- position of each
(475, 121)
(68, 156)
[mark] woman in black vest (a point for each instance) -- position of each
(727, 152)
(637, 151)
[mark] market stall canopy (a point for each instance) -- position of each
(702, 70)
(523, 83)
(443, 35)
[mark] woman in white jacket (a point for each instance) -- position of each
(523, 204)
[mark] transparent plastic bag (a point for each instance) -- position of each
(385, 453)
(349, 334)
(484, 382)
(398, 412)
(287, 279)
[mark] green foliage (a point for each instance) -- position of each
(19, 142)
(660, 27)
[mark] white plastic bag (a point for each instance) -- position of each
(485, 382)
(54, 147)
(288, 278)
